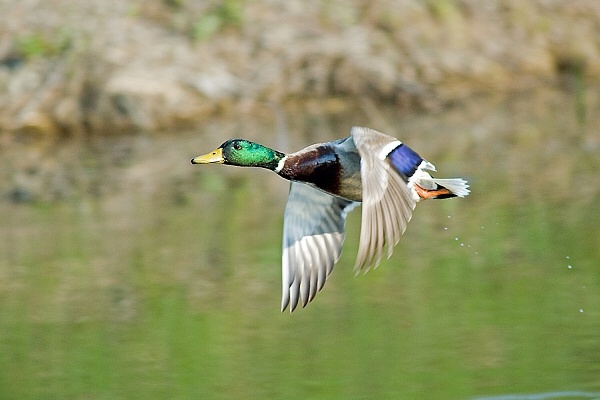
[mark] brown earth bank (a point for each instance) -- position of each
(107, 66)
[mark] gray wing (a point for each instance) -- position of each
(313, 233)
(387, 202)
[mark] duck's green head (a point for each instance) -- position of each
(242, 153)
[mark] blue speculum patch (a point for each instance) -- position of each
(405, 160)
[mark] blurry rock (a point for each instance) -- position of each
(145, 100)
(216, 85)
(36, 123)
(68, 115)
(19, 195)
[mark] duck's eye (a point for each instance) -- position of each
(237, 146)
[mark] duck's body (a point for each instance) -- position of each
(328, 180)
(332, 167)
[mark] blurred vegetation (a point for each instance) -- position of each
(36, 44)
(227, 14)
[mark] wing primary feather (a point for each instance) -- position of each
(286, 280)
(374, 240)
(314, 276)
(294, 294)
(316, 268)
(390, 229)
(305, 271)
(381, 234)
(336, 253)
(323, 263)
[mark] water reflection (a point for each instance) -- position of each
(127, 272)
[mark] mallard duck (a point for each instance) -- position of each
(327, 181)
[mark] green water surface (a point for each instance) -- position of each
(151, 278)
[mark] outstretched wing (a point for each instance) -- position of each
(313, 234)
(387, 201)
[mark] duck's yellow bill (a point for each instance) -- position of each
(214, 157)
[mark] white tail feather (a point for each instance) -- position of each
(457, 186)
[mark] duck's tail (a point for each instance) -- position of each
(457, 186)
(434, 188)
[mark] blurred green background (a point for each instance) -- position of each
(126, 272)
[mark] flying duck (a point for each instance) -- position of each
(327, 181)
